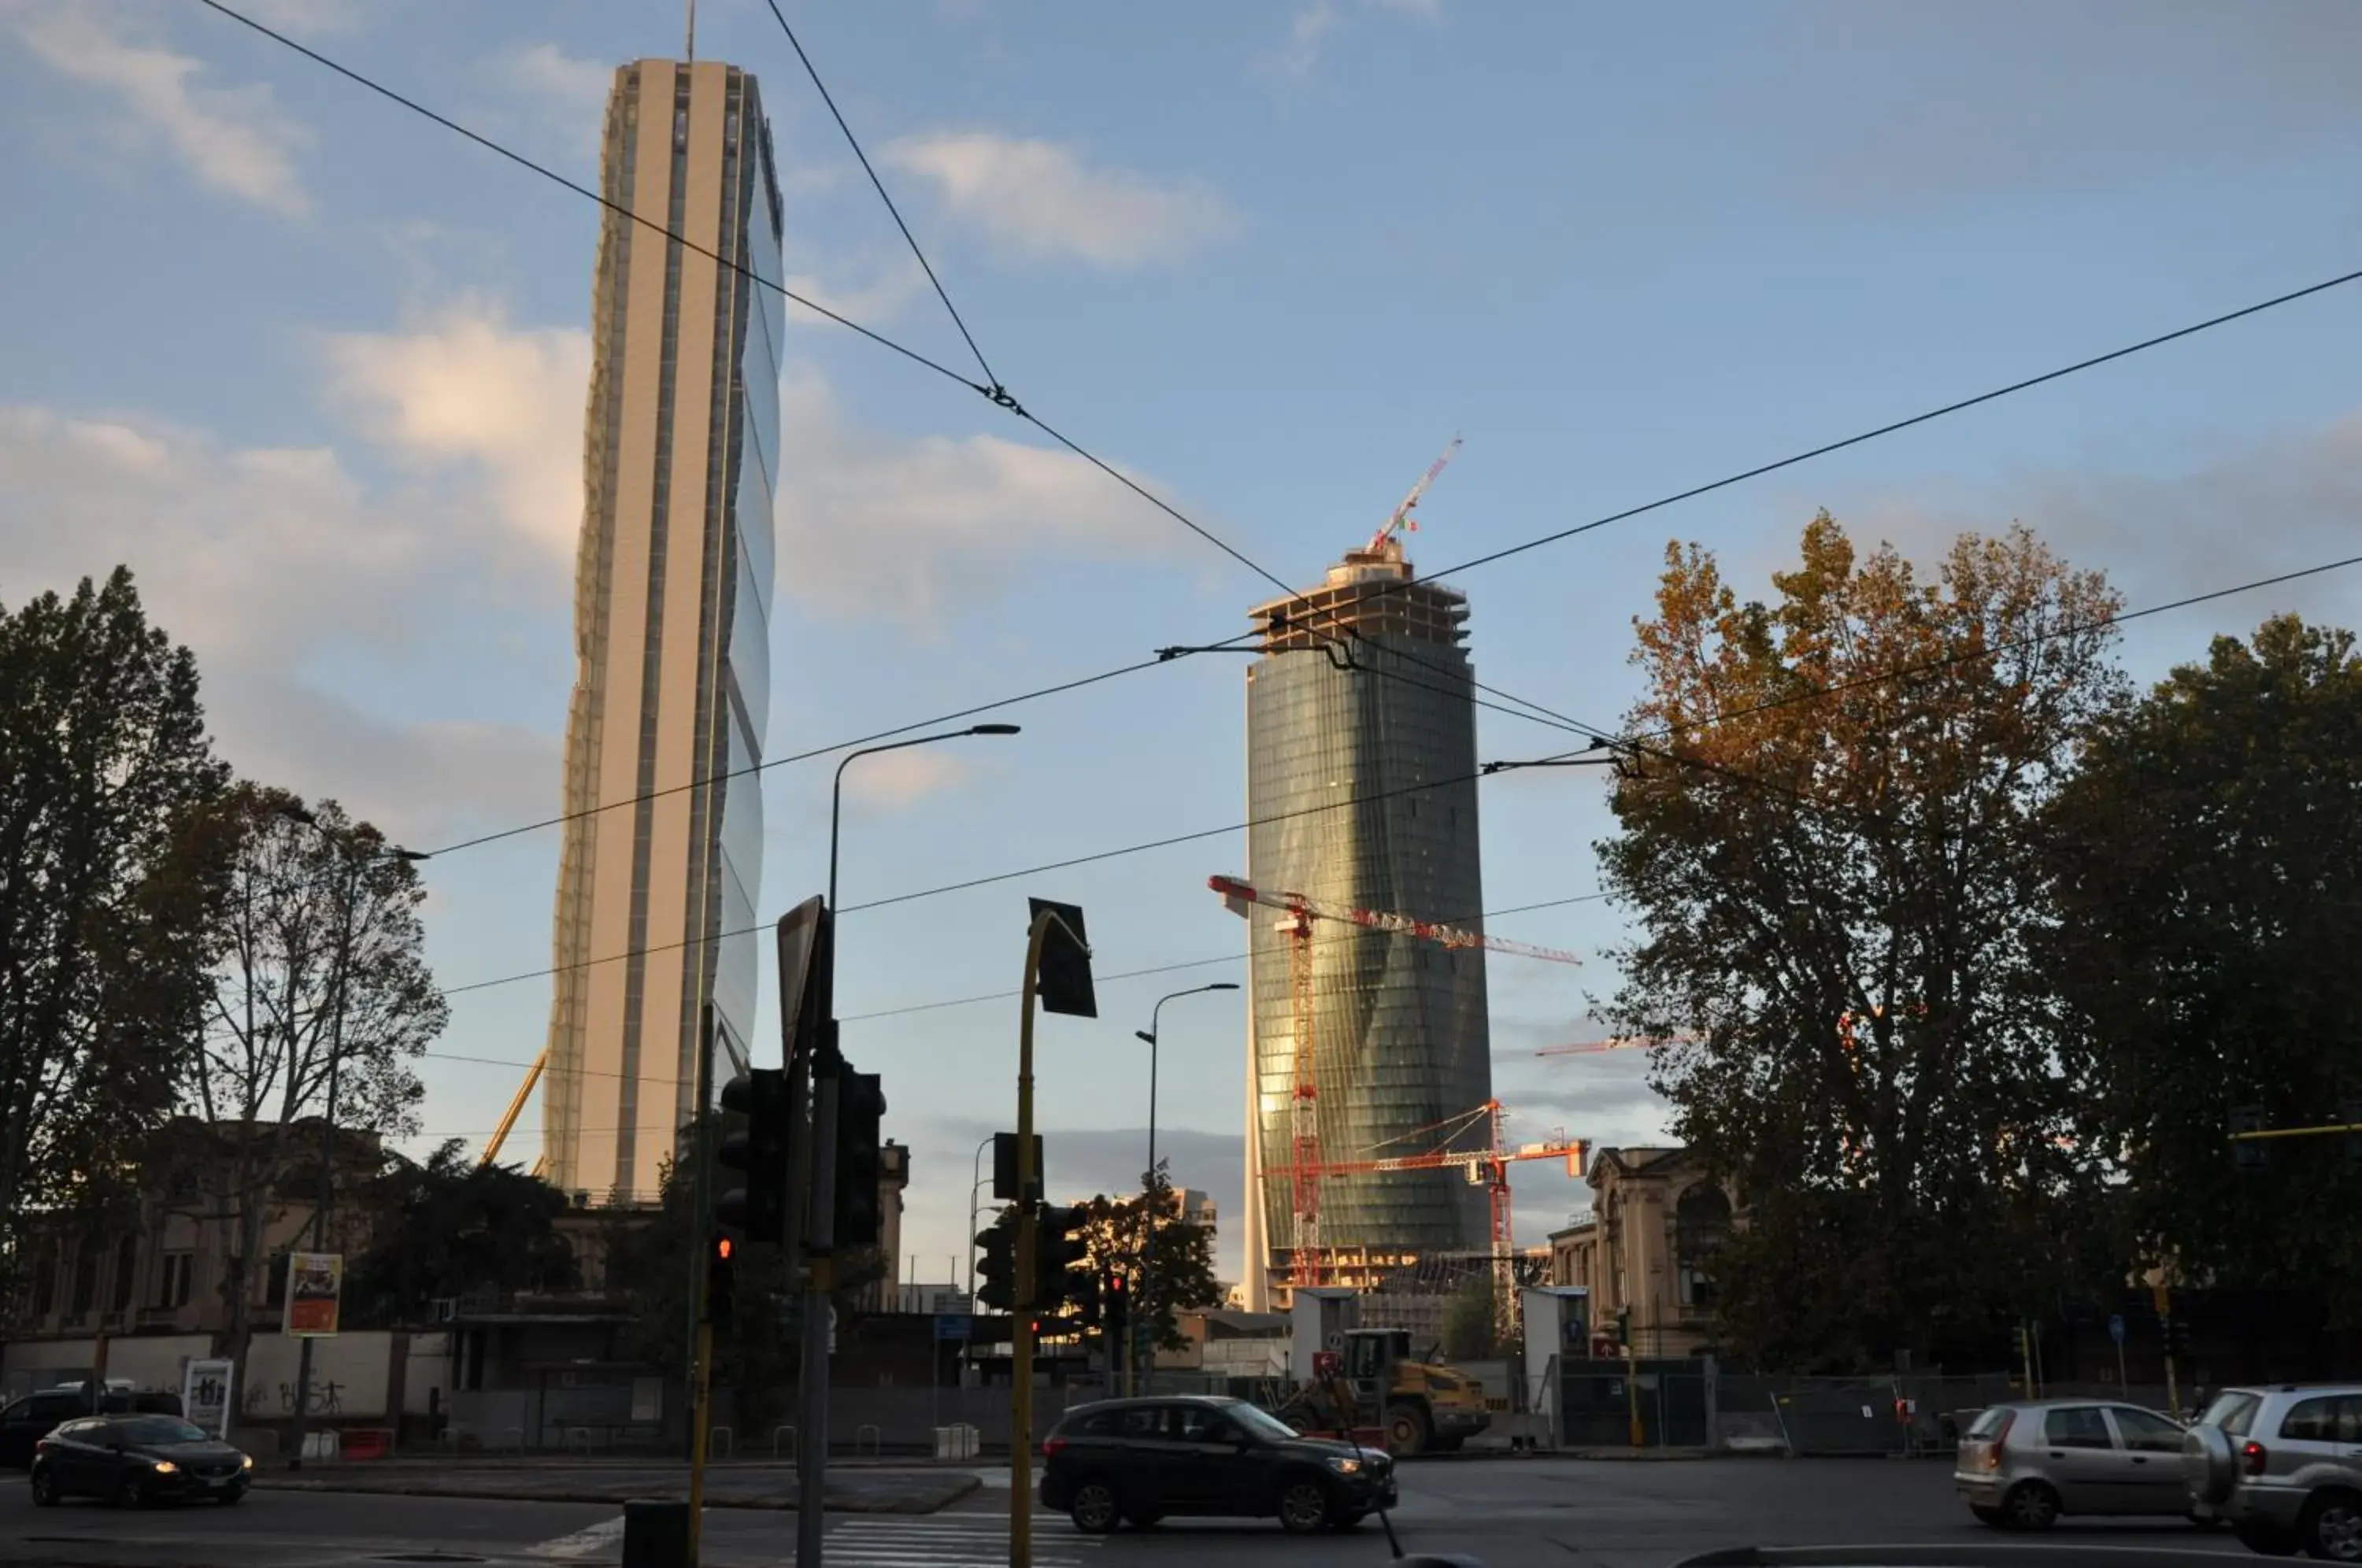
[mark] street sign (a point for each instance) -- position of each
(204, 1396)
(2117, 1327)
(799, 933)
(953, 1325)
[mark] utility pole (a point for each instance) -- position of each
(700, 1306)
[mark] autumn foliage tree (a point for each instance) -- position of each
(1829, 835)
(2209, 856)
(1176, 1273)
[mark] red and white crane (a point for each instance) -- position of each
(1614, 1043)
(1307, 1255)
(1402, 519)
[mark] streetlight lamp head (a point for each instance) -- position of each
(399, 853)
(1142, 1035)
(994, 730)
(297, 813)
(1223, 986)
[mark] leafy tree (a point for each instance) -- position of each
(447, 1226)
(103, 759)
(1830, 836)
(1468, 1326)
(649, 1253)
(320, 994)
(1181, 1272)
(2210, 855)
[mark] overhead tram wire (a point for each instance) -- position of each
(1956, 406)
(1814, 695)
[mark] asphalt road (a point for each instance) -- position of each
(1510, 1513)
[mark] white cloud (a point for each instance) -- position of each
(1038, 200)
(1312, 25)
(883, 525)
(235, 139)
(502, 403)
(895, 780)
(570, 95)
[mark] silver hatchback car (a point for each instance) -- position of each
(2283, 1466)
(2023, 1463)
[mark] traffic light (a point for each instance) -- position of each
(1115, 1304)
(2176, 1337)
(759, 1152)
(2247, 1154)
(860, 1110)
(1624, 1326)
(1086, 1302)
(996, 1273)
(1058, 1247)
(720, 1280)
(2349, 1116)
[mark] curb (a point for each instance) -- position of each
(951, 1491)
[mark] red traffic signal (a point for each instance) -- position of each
(723, 1248)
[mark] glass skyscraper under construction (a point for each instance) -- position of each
(671, 599)
(1362, 693)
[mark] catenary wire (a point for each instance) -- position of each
(1001, 398)
(1171, 839)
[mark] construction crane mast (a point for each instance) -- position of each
(1308, 1252)
(1402, 521)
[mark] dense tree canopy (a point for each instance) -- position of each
(1181, 1272)
(2209, 876)
(447, 1226)
(1830, 837)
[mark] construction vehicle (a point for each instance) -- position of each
(1365, 1382)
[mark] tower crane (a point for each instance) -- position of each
(1614, 1043)
(1402, 519)
(1307, 1257)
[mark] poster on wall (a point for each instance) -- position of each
(204, 1396)
(314, 1281)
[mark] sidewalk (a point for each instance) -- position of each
(868, 1489)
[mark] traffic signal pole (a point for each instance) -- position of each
(700, 1319)
(820, 1278)
(1021, 1321)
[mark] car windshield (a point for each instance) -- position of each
(1262, 1422)
(158, 1428)
(2231, 1412)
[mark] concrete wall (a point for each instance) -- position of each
(351, 1374)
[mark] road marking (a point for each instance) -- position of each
(599, 1539)
(966, 1541)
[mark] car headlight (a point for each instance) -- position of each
(1344, 1466)
(249, 1461)
(166, 1467)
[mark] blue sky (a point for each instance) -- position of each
(314, 369)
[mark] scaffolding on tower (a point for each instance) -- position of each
(1309, 1254)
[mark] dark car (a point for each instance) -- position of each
(137, 1460)
(1139, 1460)
(27, 1420)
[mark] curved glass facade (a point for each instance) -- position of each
(1399, 1034)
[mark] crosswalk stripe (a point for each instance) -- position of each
(598, 1540)
(956, 1540)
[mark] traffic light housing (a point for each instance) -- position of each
(2176, 1337)
(1114, 1303)
(860, 1114)
(2349, 1116)
(1624, 1326)
(761, 1152)
(996, 1273)
(1087, 1302)
(1059, 1248)
(2247, 1154)
(720, 1280)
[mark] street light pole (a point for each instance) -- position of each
(1148, 1187)
(819, 1191)
(352, 863)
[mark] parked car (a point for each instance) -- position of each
(2283, 1467)
(137, 1460)
(27, 1420)
(2023, 1463)
(1138, 1460)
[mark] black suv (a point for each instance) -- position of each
(1139, 1460)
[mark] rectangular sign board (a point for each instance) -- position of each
(316, 1283)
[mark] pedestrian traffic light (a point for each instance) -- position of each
(1086, 1302)
(721, 1281)
(997, 1273)
(1114, 1303)
(1624, 1326)
(1058, 1249)
(759, 1152)
(860, 1110)
(2246, 1153)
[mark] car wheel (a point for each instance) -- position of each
(131, 1492)
(1303, 1505)
(2030, 1506)
(1094, 1509)
(2332, 1526)
(1992, 1516)
(45, 1488)
(1408, 1431)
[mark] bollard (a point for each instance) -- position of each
(656, 1533)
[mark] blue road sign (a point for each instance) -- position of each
(953, 1325)
(2117, 1327)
